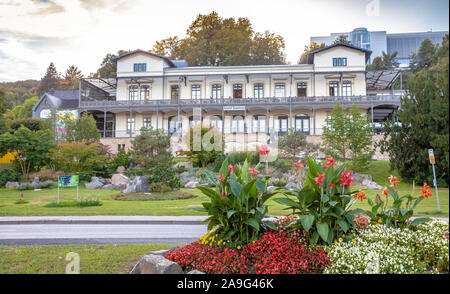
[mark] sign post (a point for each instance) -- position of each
(433, 161)
(68, 181)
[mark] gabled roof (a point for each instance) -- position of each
(144, 52)
(311, 54)
(63, 99)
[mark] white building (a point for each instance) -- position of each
(240, 101)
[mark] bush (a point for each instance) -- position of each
(379, 249)
(122, 158)
(9, 175)
(164, 173)
(159, 187)
(239, 157)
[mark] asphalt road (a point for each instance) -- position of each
(79, 234)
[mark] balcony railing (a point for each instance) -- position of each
(240, 101)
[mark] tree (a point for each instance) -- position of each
(32, 148)
(4, 103)
(108, 68)
(71, 77)
(348, 136)
(22, 111)
(205, 144)
(386, 61)
(267, 48)
(424, 58)
(169, 47)
(342, 39)
(424, 118)
(83, 129)
(150, 148)
(293, 143)
(313, 46)
(50, 80)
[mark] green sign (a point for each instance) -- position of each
(68, 181)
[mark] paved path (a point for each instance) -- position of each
(65, 234)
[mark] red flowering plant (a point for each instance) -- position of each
(237, 203)
(324, 203)
(398, 215)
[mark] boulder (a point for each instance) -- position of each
(36, 180)
(139, 184)
(195, 272)
(109, 186)
(186, 164)
(192, 184)
(120, 169)
(95, 179)
(371, 185)
(12, 184)
(291, 185)
(157, 264)
(359, 178)
(93, 185)
(118, 179)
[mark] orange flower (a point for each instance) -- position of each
(385, 191)
(329, 161)
(360, 195)
(426, 190)
(264, 150)
(394, 181)
(319, 179)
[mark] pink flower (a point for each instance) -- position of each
(345, 178)
(230, 169)
(221, 177)
(329, 161)
(252, 171)
(319, 179)
(264, 150)
(298, 164)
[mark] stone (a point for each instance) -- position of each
(120, 169)
(36, 180)
(139, 184)
(121, 186)
(118, 179)
(95, 179)
(93, 185)
(186, 164)
(109, 186)
(195, 272)
(359, 178)
(12, 184)
(157, 264)
(291, 185)
(192, 184)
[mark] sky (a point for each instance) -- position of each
(34, 33)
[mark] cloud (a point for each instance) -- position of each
(45, 8)
(113, 5)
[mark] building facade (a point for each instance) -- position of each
(378, 41)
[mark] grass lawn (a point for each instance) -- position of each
(94, 259)
(38, 199)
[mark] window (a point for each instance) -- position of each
(130, 125)
(302, 123)
(120, 146)
(216, 121)
(279, 90)
(281, 124)
(237, 124)
(174, 92)
(259, 124)
(258, 90)
(140, 67)
(192, 122)
(195, 91)
(334, 88)
(346, 88)
(340, 61)
(145, 93)
(216, 91)
(147, 122)
(133, 92)
(237, 91)
(301, 89)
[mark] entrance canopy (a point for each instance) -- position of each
(382, 79)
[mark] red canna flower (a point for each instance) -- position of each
(329, 161)
(298, 164)
(221, 177)
(330, 185)
(360, 195)
(345, 178)
(385, 191)
(319, 179)
(252, 171)
(21, 197)
(394, 181)
(224, 195)
(230, 169)
(426, 190)
(263, 150)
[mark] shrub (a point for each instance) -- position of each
(239, 157)
(380, 249)
(122, 158)
(8, 175)
(164, 173)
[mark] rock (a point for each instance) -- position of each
(118, 179)
(36, 180)
(186, 164)
(139, 184)
(120, 169)
(34, 185)
(121, 186)
(95, 179)
(192, 185)
(12, 184)
(109, 186)
(359, 178)
(204, 185)
(195, 272)
(93, 185)
(291, 185)
(157, 264)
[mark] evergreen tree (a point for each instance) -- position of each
(342, 39)
(50, 80)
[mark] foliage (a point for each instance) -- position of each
(71, 78)
(22, 111)
(425, 57)
(213, 40)
(33, 124)
(385, 61)
(380, 249)
(8, 175)
(83, 129)
(313, 46)
(4, 103)
(50, 80)
(154, 196)
(237, 204)
(323, 204)
(78, 157)
(32, 148)
(122, 158)
(239, 157)
(108, 67)
(348, 136)
(150, 148)
(274, 253)
(294, 143)
(18, 92)
(342, 39)
(205, 144)
(424, 118)
(164, 174)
